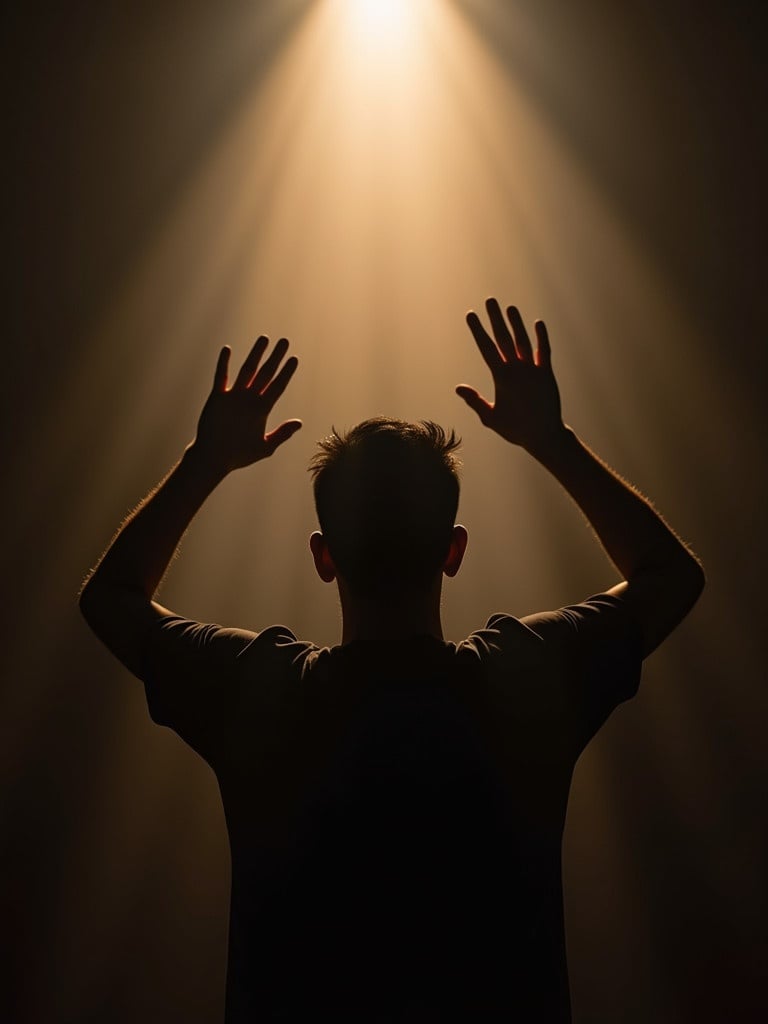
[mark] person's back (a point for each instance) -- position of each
(395, 804)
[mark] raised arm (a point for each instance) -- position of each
(116, 599)
(662, 577)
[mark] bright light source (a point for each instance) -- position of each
(380, 21)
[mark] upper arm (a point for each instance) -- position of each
(594, 653)
(154, 642)
(193, 672)
(190, 670)
(122, 618)
(658, 599)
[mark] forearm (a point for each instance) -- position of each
(634, 535)
(117, 597)
(143, 547)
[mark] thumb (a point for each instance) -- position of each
(475, 401)
(281, 434)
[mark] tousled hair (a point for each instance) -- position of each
(386, 494)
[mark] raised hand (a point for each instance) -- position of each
(526, 407)
(231, 432)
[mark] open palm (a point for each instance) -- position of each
(526, 407)
(232, 428)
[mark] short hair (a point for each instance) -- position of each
(386, 494)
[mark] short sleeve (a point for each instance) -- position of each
(193, 673)
(595, 649)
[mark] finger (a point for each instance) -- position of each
(522, 341)
(251, 364)
(485, 343)
(269, 368)
(475, 401)
(543, 351)
(281, 434)
(222, 367)
(275, 389)
(500, 330)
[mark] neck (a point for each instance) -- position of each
(398, 619)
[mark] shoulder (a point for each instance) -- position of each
(201, 679)
(501, 633)
(276, 648)
(601, 621)
(503, 645)
(187, 660)
(577, 661)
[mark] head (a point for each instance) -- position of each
(386, 495)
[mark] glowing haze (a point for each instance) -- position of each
(382, 170)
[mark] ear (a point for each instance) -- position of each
(326, 570)
(456, 551)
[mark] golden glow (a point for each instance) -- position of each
(359, 201)
(387, 174)
(380, 18)
(360, 206)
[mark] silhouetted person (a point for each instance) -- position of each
(395, 804)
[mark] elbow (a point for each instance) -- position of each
(694, 575)
(688, 583)
(685, 574)
(94, 601)
(662, 598)
(699, 578)
(87, 600)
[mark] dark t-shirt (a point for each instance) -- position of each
(395, 814)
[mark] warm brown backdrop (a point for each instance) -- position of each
(618, 189)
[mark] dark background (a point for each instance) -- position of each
(114, 875)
